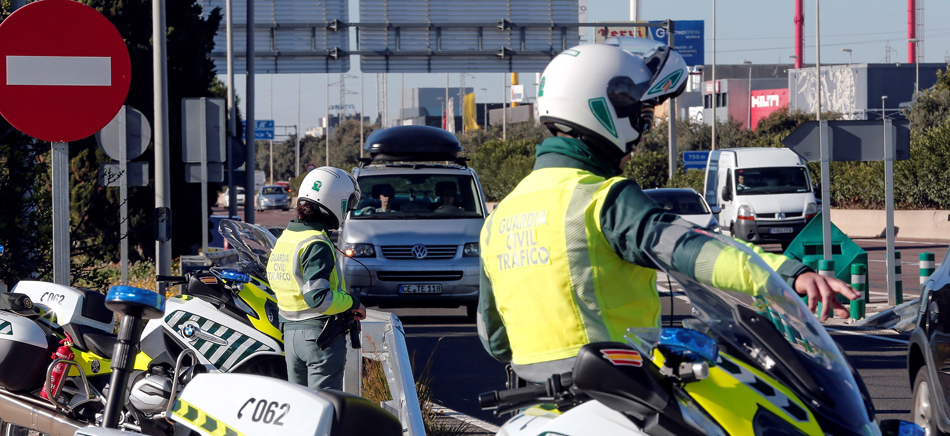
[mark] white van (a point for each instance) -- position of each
(765, 193)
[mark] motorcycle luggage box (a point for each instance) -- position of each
(25, 353)
(70, 305)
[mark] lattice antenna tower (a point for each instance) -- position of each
(342, 97)
(887, 52)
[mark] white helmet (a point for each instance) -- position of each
(333, 190)
(599, 91)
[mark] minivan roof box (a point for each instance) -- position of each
(412, 143)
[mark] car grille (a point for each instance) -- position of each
(418, 276)
(771, 216)
(434, 252)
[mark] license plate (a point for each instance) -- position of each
(421, 289)
(777, 230)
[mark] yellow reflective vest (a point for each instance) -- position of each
(285, 276)
(558, 284)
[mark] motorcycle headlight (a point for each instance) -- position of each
(270, 308)
(767, 423)
(360, 250)
(697, 417)
(470, 249)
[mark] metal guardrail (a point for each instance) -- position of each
(385, 340)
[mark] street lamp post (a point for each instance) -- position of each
(442, 104)
(848, 51)
(749, 119)
(917, 64)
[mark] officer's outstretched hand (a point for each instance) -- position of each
(818, 287)
(359, 314)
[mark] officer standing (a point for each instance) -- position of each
(303, 273)
(566, 255)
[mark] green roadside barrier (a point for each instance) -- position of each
(928, 262)
(859, 281)
(844, 252)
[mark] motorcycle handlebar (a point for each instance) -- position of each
(556, 386)
(174, 280)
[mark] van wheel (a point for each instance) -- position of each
(732, 231)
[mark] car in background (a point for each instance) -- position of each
(928, 354)
(225, 202)
(271, 197)
(286, 186)
(412, 240)
(687, 203)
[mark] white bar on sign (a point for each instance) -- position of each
(59, 70)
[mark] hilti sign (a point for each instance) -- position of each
(766, 101)
(64, 70)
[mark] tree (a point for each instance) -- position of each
(94, 224)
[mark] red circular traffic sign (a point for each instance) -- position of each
(64, 70)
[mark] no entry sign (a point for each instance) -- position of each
(64, 70)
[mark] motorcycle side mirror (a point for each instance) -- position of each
(895, 427)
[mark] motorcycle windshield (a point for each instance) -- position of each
(253, 242)
(808, 360)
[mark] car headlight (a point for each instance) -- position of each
(810, 210)
(360, 250)
(745, 212)
(470, 249)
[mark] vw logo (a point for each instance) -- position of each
(781, 215)
(420, 251)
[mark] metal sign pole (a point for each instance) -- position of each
(326, 133)
(203, 149)
(672, 109)
(123, 196)
(60, 167)
(824, 146)
(232, 111)
(250, 142)
(889, 141)
(825, 139)
(297, 131)
(163, 258)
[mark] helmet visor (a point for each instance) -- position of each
(653, 53)
(624, 94)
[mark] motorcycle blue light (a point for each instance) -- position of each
(235, 276)
(689, 345)
(121, 298)
(910, 429)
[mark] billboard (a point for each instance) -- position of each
(689, 39)
(290, 36)
(766, 101)
(487, 36)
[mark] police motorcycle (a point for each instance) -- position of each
(214, 404)
(743, 364)
(225, 321)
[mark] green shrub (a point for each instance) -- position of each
(501, 165)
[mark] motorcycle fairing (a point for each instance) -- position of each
(748, 389)
(256, 294)
(218, 339)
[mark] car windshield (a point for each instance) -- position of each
(413, 196)
(679, 202)
(272, 190)
(813, 365)
(775, 180)
(240, 190)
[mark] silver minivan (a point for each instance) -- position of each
(412, 240)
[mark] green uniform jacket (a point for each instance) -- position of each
(317, 262)
(627, 221)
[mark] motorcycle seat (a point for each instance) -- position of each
(101, 344)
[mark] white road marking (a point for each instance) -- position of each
(445, 411)
(884, 241)
(59, 70)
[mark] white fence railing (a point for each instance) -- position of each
(385, 340)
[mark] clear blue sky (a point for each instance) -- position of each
(759, 31)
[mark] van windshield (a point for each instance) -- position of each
(415, 196)
(772, 180)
